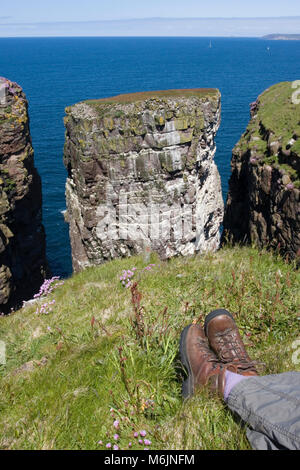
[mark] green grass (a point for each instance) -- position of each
(279, 117)
(283, 123)
(105, 358)
(141, 96)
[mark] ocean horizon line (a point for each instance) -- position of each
(132, 37)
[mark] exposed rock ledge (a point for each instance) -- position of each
(139, 165)
(263, 200)
(22, 239)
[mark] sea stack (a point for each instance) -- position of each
(22, 238)
(263, 200)
(142, 176)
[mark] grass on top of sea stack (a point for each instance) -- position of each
(101, 370)
(160, 94)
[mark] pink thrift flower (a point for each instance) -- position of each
(140, 441)
(116, 447)
(130, 444)
(136, 435)
(147, 442)
(116, 437)
(116, 424)
(108, 446)
(143, 433)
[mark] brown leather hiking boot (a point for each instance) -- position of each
(225, 340)
(201, 363)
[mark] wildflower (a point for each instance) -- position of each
(48, 286)
(116, 437)
(116, 447)
(143, 433)
(147, 442)
(130, 444)
(126, 276)
(100, 443)
(108, 446)
(136, 435)
(140, 441)
(116, 424)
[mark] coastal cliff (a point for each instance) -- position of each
(22, 238)
(141, 175)
(263, 200)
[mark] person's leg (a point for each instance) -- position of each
(270, 405)
(231, 380)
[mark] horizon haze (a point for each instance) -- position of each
(194, 18)
(161, 27)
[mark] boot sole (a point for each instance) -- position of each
(214, 314)
(188, 384)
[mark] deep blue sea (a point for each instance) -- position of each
(58, 72)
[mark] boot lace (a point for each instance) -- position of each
(206, 352)
(228, 342)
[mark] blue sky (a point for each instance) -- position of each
(108, 17)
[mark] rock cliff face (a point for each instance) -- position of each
(141, 175)
(263, 199)
(22, 238)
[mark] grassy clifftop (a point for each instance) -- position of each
(150, 100)
(103, 358)
(160, 94)
(273, 134)
(284, 125)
